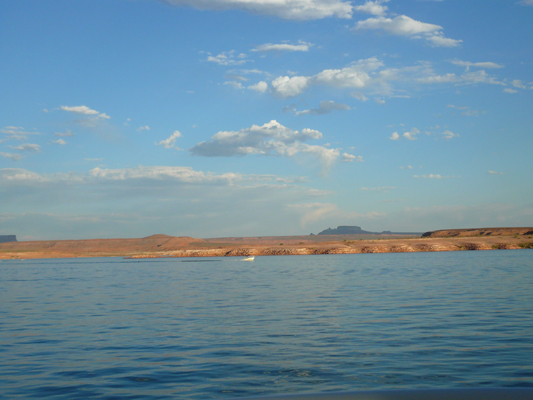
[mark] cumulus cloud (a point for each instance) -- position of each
(35, 148)
(354, 76)
(287, 9)
(351, 158)
(227, 58)
(84, 110)
(170, 142)
(68, 133)
(285, 86)
(325, 107)
(449, 135)
(432, 176)
(270, 138)
(468, 78)
(509, 90)
(495, 173)
(517, 83)
(403, 25)
(59, 141)
(394, 136)
(17, 133)
(359, 96)
(373, 77)
(468, 64)
(373, 7)
(466, 111)
(12, 156)
(260, 87)
(143, 128)
(411, 135)
(234, 84)
(301, 46)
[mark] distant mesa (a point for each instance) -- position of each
(356, 230)
(345, 230)
(8, 238)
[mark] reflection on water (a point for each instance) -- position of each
(220, 328)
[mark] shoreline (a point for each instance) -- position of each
(170, 247)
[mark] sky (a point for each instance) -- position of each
(214, 118)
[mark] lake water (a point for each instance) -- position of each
(210, 328)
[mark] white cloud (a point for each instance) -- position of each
(411, 135)
(383, 189)
(441, 41)
(79, 110)
(449, 135)
(466, 111)
(495, 173)
(84, 110)
(235, 77)
(432, 176)
(371, 76)
(408, 167)
(59, 141)
(325, 107)
(287, 9)
(234, 84)
(12, 156)
(517, 83)
(373, 7)
(143, 128)
(394, 136)
(526, 2)
(301, 46)
(170, 142)
(468, 78)
(359, 96)
(17, 133)
(227, 58)
(354, 76)
(469, 64)
(403, 25)
(285, 86)
(177, 174)
(351, 158)
(28, 147)
(260, 87)
(400, 25)
(509, 90)
(68, 133)
(270, 138)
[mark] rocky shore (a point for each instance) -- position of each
(156, 246)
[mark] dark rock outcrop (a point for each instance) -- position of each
(345, 230)
(8, 238)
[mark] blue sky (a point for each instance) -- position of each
(213, 118)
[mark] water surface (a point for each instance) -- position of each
(222, 328)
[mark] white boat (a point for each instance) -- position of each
(249, 258)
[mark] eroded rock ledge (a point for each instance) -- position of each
(416, 246)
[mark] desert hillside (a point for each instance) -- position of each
(171, 246)
(479, 232)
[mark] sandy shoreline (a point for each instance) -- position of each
(157, 246)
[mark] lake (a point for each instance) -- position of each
(214, 328)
